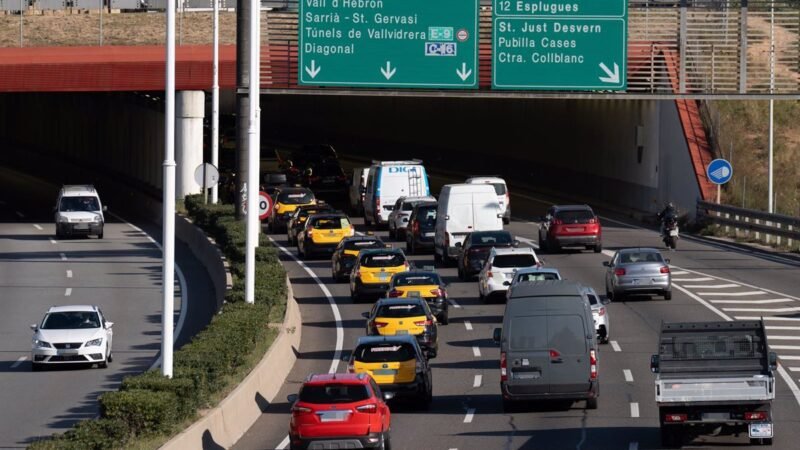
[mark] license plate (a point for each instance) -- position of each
(716, 416)
(760, 430)
(328, 180)
(432, 234)
(635, 281)
(82, 226)
(527, 375)
(401, 332)
(383, 275)
(333, 416)
(574, 229)
(385, 372)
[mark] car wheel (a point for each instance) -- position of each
(761, 441)
(671, 438)
(387, 441)
(610, 295)
(598, 248)
(445, 318)
(100, 236)
(412, 248)
(437, 258)
(392, 233)
(110, 357)
(591, 403)
(461, 274)
(481, 297)
(668, 295)
(506, 220)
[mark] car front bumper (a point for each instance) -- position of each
(87, 355)
(80, 228)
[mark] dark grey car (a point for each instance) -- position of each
(638, 271)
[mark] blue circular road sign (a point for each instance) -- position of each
(719, 171)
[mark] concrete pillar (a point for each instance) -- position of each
(189, 111)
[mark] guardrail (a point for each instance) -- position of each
(751, 224)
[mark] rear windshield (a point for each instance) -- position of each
(384, 353)
(528, 333)
(541, 276)
(361, 245)
(641, 257)
(521, 260)
(402, 310)
(416, 280)
(383, 260)
(330, 223)
(328, 170)
(491, 238)
(304, 213)
(86, 203)
(593, 300)
(427, 214)
(295, 198)
(499, 188)
(334, 393)
(575, 216)
(408, 206)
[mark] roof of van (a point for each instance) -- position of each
(472, 187)
(412, 162)
(547, 288)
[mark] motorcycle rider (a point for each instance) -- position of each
(668, 211)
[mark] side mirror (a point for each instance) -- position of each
(291, 398)
(773, 361)
(105, 208)
(506, 283)
(654, 364)
(607, 263)
(388, 396)
(497, 335)
(109, 325)
(365, 315)
(34, 327)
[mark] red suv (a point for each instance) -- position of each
(339, 411)
(570, 226)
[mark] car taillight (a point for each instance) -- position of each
(619, 272)
(554, 353)
(438, 292)
(314, 178)
(341, 178)
(300, 410)
(406, 265)
(377, 204)
(415, 228)
(665, 269)
(674, 418)
(310, 230)
(601, 311)
(503, 367)
(592, 220)
(755, 415)
(592, 364)
(490, 274)
(508, 199)
(557, 222)
(394, 293)
(369, 409)
(423, 323)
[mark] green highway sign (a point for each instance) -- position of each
(389, 43)
(560, 45)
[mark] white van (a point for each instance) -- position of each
(464, 208)
(500, 189)
(389, 180)
(78, 211)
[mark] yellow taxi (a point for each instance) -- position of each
(287, 200)
(373, 270)
(398, 365)
(404, 316)
(322, 233)
(298, 219)
(346, 254)
(426, 284)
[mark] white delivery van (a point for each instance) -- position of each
(389, 180)
(464, 208)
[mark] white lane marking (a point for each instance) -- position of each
(454, 303)
(69, 274)
(20, 215)
(680, 272)
(468, 325)
(634, 409)
(628, 375)
(337, 316)
(478, 380)
(789, 358)
(790, 319)
(470, 415)
(63, 256)
(615, 346)
(692, 279)
(794, 369)
(67, 292)
(530, 242)
(765, 310)
(38, 227)
(712, 286)
(776, 327)
(53, 241)
(284, 443)
(633, 446)
(732, 294)
(702, 302)
(746, 285)
(19, 361)
(476, 352)
(607, 252)
(755, 302)
(784, 347)
(773, 337)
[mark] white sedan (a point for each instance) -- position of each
(401, 212)
(76, 334)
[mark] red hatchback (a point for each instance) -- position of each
(570, 226)
(339, 411)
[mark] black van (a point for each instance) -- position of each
(548, 346)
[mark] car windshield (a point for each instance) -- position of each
(491, 238)
(383, 260)
(416, 280)
(330, 223)
(538, 276)
(427, 214)
(384, 353)
(401, 310)
(70, 320)
(520, 260)
(362, 244)
(640, 257)
(575, 216)
(86, 203)
(334, 393)
(295, 197)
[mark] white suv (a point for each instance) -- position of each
(398, 218)
(75, 334)
(503, 197)
(78, 210)
(500, 267)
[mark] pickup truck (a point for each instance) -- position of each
(714, 378)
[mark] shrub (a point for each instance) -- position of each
(185, 389)
(145, 412)
(99, 434)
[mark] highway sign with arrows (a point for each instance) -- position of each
(560, 45)
(389, 43)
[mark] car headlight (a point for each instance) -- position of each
(94, 343)
(97, 218)
(41, 344)
(63, 219)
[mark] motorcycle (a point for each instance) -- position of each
(671, 232)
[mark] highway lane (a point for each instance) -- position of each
(466, 411)
(121, 273)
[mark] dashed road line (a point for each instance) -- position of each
(53, 241)
(69, 274)
(628, 375)
(783, 338)
(470, 415)
(19, 361)
(634, 409)
(789, 319)
(476, 352)
(20, 215)
(67, 292)
(530, 242)
(454, 303)
(765, 310)
(692, 280)
(63, 256)
(680, 272)
(778, 327)
(38, 227)
(615, 346)
(789, 357)
(607, 252)
(754, 302)
(712, 286)
(468, 325)
(477, 381)
(732, 294)
(794, 369)
(784, 347)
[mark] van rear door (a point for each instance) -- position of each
(569, 353)
(461, 216)
(528, 355)
(485, 211)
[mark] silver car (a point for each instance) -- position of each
(600, 314)
(531, 274)
(638, 271)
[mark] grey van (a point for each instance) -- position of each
(548, 346)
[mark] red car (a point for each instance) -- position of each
(570, 226)
(339, 411)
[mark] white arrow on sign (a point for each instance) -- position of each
(314, 70)
(464, 73)
(613, 77)
(388, 72)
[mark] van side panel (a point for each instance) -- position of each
(567, 335)
(485, 210)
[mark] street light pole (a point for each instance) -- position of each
(771, 206)
(168, 231)
(215, 101)
(254, 156)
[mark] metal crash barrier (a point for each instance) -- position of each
(777, 229)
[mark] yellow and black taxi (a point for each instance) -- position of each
(322, 233)
(287, 200)
(397, 363)
(346, 254)
(298, 219)
(373, 270)
(423, 283)
(404, 316)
